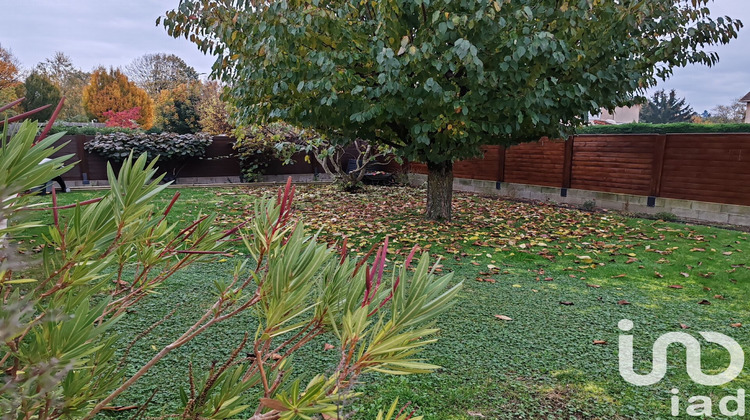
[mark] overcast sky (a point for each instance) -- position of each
(114, 32)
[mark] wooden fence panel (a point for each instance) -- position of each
(619, 164)
(486, 168)
(537, 163)
(707, 167)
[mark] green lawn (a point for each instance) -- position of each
(516, 259)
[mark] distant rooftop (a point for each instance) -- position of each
(746, 98)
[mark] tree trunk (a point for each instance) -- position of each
(439, 190)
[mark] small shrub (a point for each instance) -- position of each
(588, 205)
(123, 119)
(666, 216)
(258, 145)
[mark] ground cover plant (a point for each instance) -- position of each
(563, 277)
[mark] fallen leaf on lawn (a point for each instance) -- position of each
(727, 253)
(736, 325)
(684, 327)
(601, 342)
(697, 250)
(719, 297)
(595, 286)
(548, 279)
(658, 275)
(675, 286)
(708, 289)
(631, 260)
(704, 302)
(475, 263)
(475, 414)
(327, 346)
(618, 276)
(685, 275)
(623, 302)
(562, 302)
(504, 317)
(585, 259)
(516, 285)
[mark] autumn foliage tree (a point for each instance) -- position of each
(9, 77)
(213, 112)
(176, 108)
(112, 91)
(438, 79)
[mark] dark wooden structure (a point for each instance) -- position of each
(703, 167)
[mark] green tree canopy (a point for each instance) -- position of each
(437, 79)
(665, 108)
(40, 91)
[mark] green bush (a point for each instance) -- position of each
(260, 144)
(639, 128)
(90, 130)
(118, 146)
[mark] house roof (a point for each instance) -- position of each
(746, 98)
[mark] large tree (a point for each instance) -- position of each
(70, 80)
(40, 91)
(156, 72)
(438, 79)
(665, 108)
(727, 114)
(112, 91)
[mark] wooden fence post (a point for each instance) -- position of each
(83, 163)
(501, 165)
(567, 163)
(657, 166)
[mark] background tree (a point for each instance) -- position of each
(70, 80)
(213, 112)
(40, 91)
(727, 114)
(439, 79)
(176, 108)
(112, 91)
(156, 72)
(9, 78)
(665, 108)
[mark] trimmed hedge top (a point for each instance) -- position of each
(642, 128)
